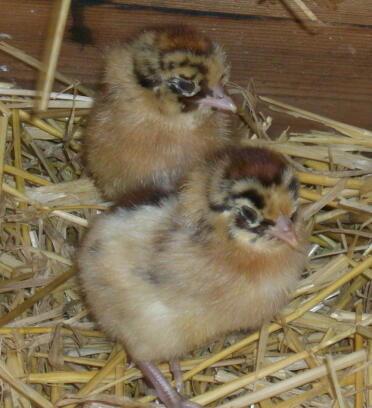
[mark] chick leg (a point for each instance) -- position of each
(177, 373)
(165, 392)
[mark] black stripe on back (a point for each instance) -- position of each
(143, 196)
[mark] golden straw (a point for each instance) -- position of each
(101, 374)
(3, 131)
(53, 43)
(296, 381)
(22, 388)
(37, 296)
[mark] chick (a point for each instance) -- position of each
(167, 272)
(159, 111)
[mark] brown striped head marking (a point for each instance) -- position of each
(260, 163)
(173, 38)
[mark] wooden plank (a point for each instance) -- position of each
(26, 27)
(328, 73)
(343, 12)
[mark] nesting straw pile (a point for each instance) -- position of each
(315, 353)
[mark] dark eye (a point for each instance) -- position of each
(182, 86)
(294, 216)
(249, 214)
(246, 218)
(293, 186)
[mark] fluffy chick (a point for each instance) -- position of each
(159, 110)
(165, 273)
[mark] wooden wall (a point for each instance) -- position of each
(328, 72)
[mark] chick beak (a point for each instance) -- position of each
(284, 230)
(219, 100)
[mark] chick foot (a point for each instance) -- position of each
(177, 374)
(170, 397)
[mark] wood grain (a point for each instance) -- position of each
(345, 12)
(328, 72)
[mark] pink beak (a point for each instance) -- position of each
(219, 100)
(285, 231)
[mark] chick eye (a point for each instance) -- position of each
(182, 86)
(249, 214)
(294, 216)
(246, 218)
(293, 187)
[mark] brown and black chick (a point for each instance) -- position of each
(171, 272)
(159, 112)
